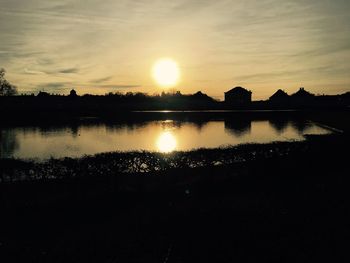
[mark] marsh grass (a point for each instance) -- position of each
(142, 162)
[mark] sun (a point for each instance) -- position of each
(166, 142)
(166, 72)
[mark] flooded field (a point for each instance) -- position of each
(93, 137)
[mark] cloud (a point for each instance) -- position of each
(119, 86)
(69, 71)
(33, 72)
(328, 70)
(323, 50)
(53, 85)
(50, 72)
(258, 41)
(101, 80)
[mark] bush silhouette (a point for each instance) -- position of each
(6, 88)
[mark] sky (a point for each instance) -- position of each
(105, 46)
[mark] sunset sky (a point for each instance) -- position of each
(101, 46)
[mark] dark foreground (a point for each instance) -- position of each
(292, 208)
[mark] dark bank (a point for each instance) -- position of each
(268, 202)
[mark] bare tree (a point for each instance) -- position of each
(6, 88)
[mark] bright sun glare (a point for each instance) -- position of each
(166, 72)
(166, 142)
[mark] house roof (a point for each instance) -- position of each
(238, 90)
(302, 93)
(279, 94)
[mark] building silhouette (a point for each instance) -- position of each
(302, 94)
(279, 96)
(238, 96)
(73, 93)
(43, 94)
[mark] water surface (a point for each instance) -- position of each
(156, 135)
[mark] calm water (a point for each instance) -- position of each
(164, 136)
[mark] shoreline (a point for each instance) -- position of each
(147, 162)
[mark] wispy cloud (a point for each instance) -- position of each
(33, 72)
(69, 71)
(51, 72)
(120, 86)
(53, 85)
(101, 80)
(291, 74)
(84, 43)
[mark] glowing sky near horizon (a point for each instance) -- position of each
(103, 46)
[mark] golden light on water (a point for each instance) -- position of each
(166, 72)
(166, 142)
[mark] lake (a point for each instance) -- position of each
(166, 135)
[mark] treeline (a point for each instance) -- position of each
(45, 104)
(48, 105)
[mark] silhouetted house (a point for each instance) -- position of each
(73, 93)
(302, 96)
(201, 96)
(302, 93)
(43, 94)
(279, 96)
(238, 96)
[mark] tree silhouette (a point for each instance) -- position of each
(6, 88)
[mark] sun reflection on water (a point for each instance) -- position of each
(166, 142)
